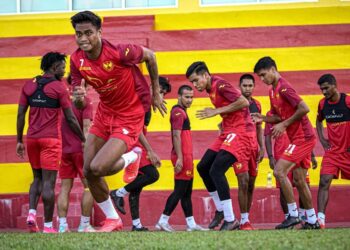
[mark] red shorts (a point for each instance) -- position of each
(252, 162)
(72, 166)
(333, 163)
(187, 169)
(239, 145)
(44, 153)
(300, 154)
(108, 126)
(290, 177)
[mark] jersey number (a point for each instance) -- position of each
(81, 62)
(290, 149)
(229, 138)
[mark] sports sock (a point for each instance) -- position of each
(84, 221)
(32, 211)
(48, 224)
(292, 209)
(216, 199)
(137, 223)
(228, 210)
(311, 216)
(244, 218)
(286, 216)
(302, 213)
(121, 192)
(164, 218)
(190, 222)
(322, 217)
(63, 221)
(108, 209)
(129, 157)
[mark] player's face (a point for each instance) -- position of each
(59, 69)
(87, 36)
(247, 87)
(162, 91)
(199, 81)
(328, 90)
(268, 76)
(186, 98)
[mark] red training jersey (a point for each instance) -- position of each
(45, 122)
(114, 75)
(221, 94)
(284, 101)
(337, 116)
(71, 143)
(179, 121)
(280, 143)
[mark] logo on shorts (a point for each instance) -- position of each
(189, 173)
(125, 131)
(108, 66)
(238, 165)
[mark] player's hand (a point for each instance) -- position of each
(272, 162)
(159, 103)
(153, 158)
(220, 128)
(257, 117)
(325, 144)
(260, 155)
(178, 165)
(20, 150)
(206, 113)
(278, 130)
(313, 162)
(80, 90)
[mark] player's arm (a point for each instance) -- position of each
(240, 103)
(258, 118)
(313, 160)
(152, 156)
(178, 150)
(86, 126)
(73, 123)
(78, 83)
(260, 135)
(268, 145)
(301, 110)
(323, 140)
(157, 101)
(21, 114)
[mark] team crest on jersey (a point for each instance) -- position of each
(108, 66)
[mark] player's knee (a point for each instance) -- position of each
(324, 183)
(277, 173)
(96, 170)
(243, 181)
(154, 176)
(201, 168)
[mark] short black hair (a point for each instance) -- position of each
(86, 17)
(246, 76)
(164, 84)
(198, 68)
(264, 63)
(184, 87)
(327, 78)
(50, 59)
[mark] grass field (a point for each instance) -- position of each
(260, 239)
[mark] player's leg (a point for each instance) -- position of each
(323, 197)
(98, 186)
(171, 203)
(87, 202)
(34, 196)
(251, 186)
(243, 184)
(48, 197)
(203, 169)
(283, 204)
(223, 161)
(63, 204)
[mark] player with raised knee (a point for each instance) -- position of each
(124, 98)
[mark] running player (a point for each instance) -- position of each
(46, 95)
(232, 147)
(279, 145)
(72, 166)
(124, 98)
(289, 113)
(182, 160)
(335, 109)
(247, 85)
(148, 172)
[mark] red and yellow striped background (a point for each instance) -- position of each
(305, 42)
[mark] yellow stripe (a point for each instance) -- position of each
(17, 177)
(254, 18)
(218, 61)
(159, 124)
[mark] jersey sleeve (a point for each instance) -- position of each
(228, 91)
(88, 109)
(130, 54)
(177, 119)
(23, 101)
(319, 110)
(290, 95)
(75, 73)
